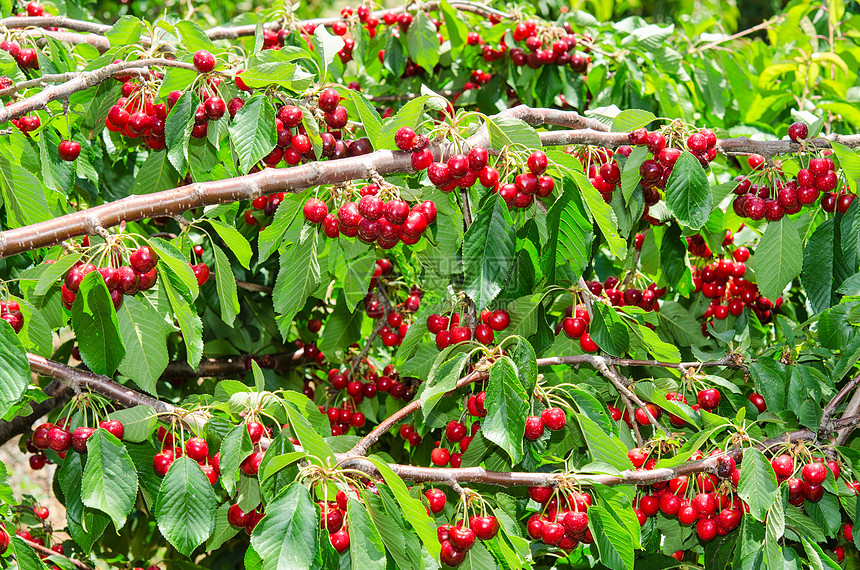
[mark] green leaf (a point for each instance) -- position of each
(235, 447)
(171, 260)
(608, 330)
(189, 322)
(757, 485)
(602, 446)
(507, 408)
(367, 552)
(817, 274)
(778, 258)
(286, 538)
(237, 243)
(54, 273)
(270, 239)
(370, 120)
(505, 131)
(688, 195)
(570, 235)
(614, 543)
(177, 130)
(342, 328)
(185, 509)
(125, 31)
(413, 509)
(298, 277)
(96, 328)
(632, 119)
(109, 479)
(422, 43)
(850, 163)
(23, 195)
(309, 439)
(85, 525)
(816, 558)
(489, 248)
(225, 281)
(673, 256)
(193, 36)
(770, 381)
(144, 334)
(630, 175)
(603, 214)
(155, 175)
(25, 556)
(283, 74)
(14, 368)
(252, 131)
(139, 422)
(326, 45)
(441, 381)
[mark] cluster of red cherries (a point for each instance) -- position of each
(701, 499)
(263, 208)
(601, 168)
(563, 520)
(526, 185)
(10, 311)
(58, 438)
(448, 330)
(373, 219)
(139, 275)
(456, 433)
(237, 518)
(773, 199)
(575, 325)
(722, 281)
(196, 449)
(543, 46)
(458, 539)
(26, 58)
(553, 419)
(655, 171)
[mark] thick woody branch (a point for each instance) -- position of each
(45, 551)
(228, 366)
(59, 395)
(834, 402)
(513, 479)
(77, 379)
(235, 32)
(363, 445)
(83, 81)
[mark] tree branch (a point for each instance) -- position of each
(227, 366)
(84, 80)
(294, 179)
(44, 550)
(59, 395)
(834, 402)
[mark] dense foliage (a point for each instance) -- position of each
(447, 284)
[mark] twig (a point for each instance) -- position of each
(59, 395)
(827, 412)
(253, 287)
(763, 26)
(44, 550)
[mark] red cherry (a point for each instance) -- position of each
(436, 499)
(537, 162)
(534, 428)
(340, 540)
(462, 538)
(554, 418)
(201, 273)
(204, 61)
(69, 150)
(814, 473)
(197, 449)
(440, 456)
(41, 512)
(485, 527)
(783, 466)
(451, 556)
(115, 428)
(143, 259)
